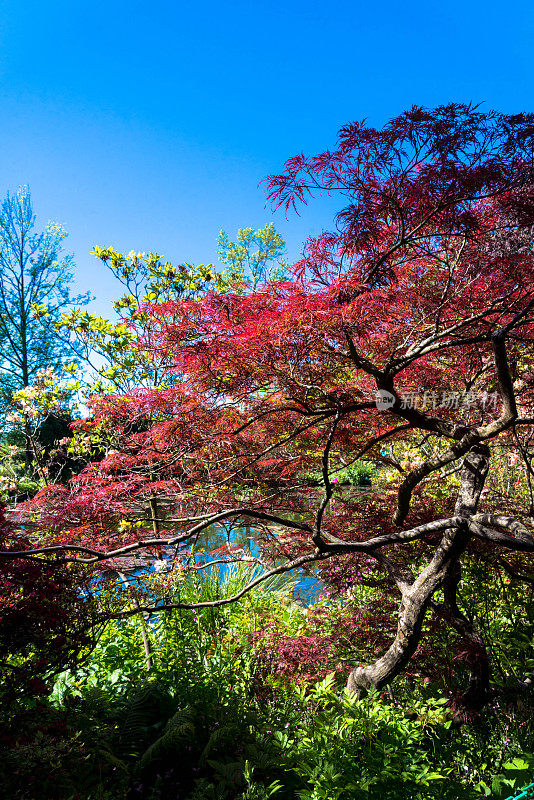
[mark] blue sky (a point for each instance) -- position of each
(149, 125)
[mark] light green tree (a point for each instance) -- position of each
(254, 258)
(121, 355)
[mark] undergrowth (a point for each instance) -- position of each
(214, 719)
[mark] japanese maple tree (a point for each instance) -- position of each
(411, 324)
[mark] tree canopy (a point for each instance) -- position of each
(35, 283)
(408, 329)
(121, 355)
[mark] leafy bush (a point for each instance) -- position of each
(347, 749)
(358, 474)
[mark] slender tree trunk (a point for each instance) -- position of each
(33, 452)
(154, 516)
(28, 456)
(417, 596)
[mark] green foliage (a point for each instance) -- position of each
(512, 777)
(37, 422)
(118, 352)
(122, 355)
(150, 280)
(178, 731)
(209, 721)
(41, 763)
(348, 749)
(358, 474)
(503, 608)
(51, 754)
(254, 258)
(15, 476)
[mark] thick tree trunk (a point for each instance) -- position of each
(416, 597)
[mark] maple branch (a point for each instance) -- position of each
(509, 413)
(288, 566)
(335, 545)
(501, 520)
(447, 286)
(100, 555)
(431, 465)
(359, 361)
(472, 436)
(329, 547)
(518, 317)
(415, 417)
(401, 574)
(433, 342)
(302, 411)
(372, 442)
(267, 450)
(417, 597)
(491, 535)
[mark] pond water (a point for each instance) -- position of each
(308, 586)
(212, 546)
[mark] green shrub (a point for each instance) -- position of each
(345, 749)
(358, 474)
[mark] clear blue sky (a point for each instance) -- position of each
(149, 125)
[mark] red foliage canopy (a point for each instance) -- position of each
(424, 293)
